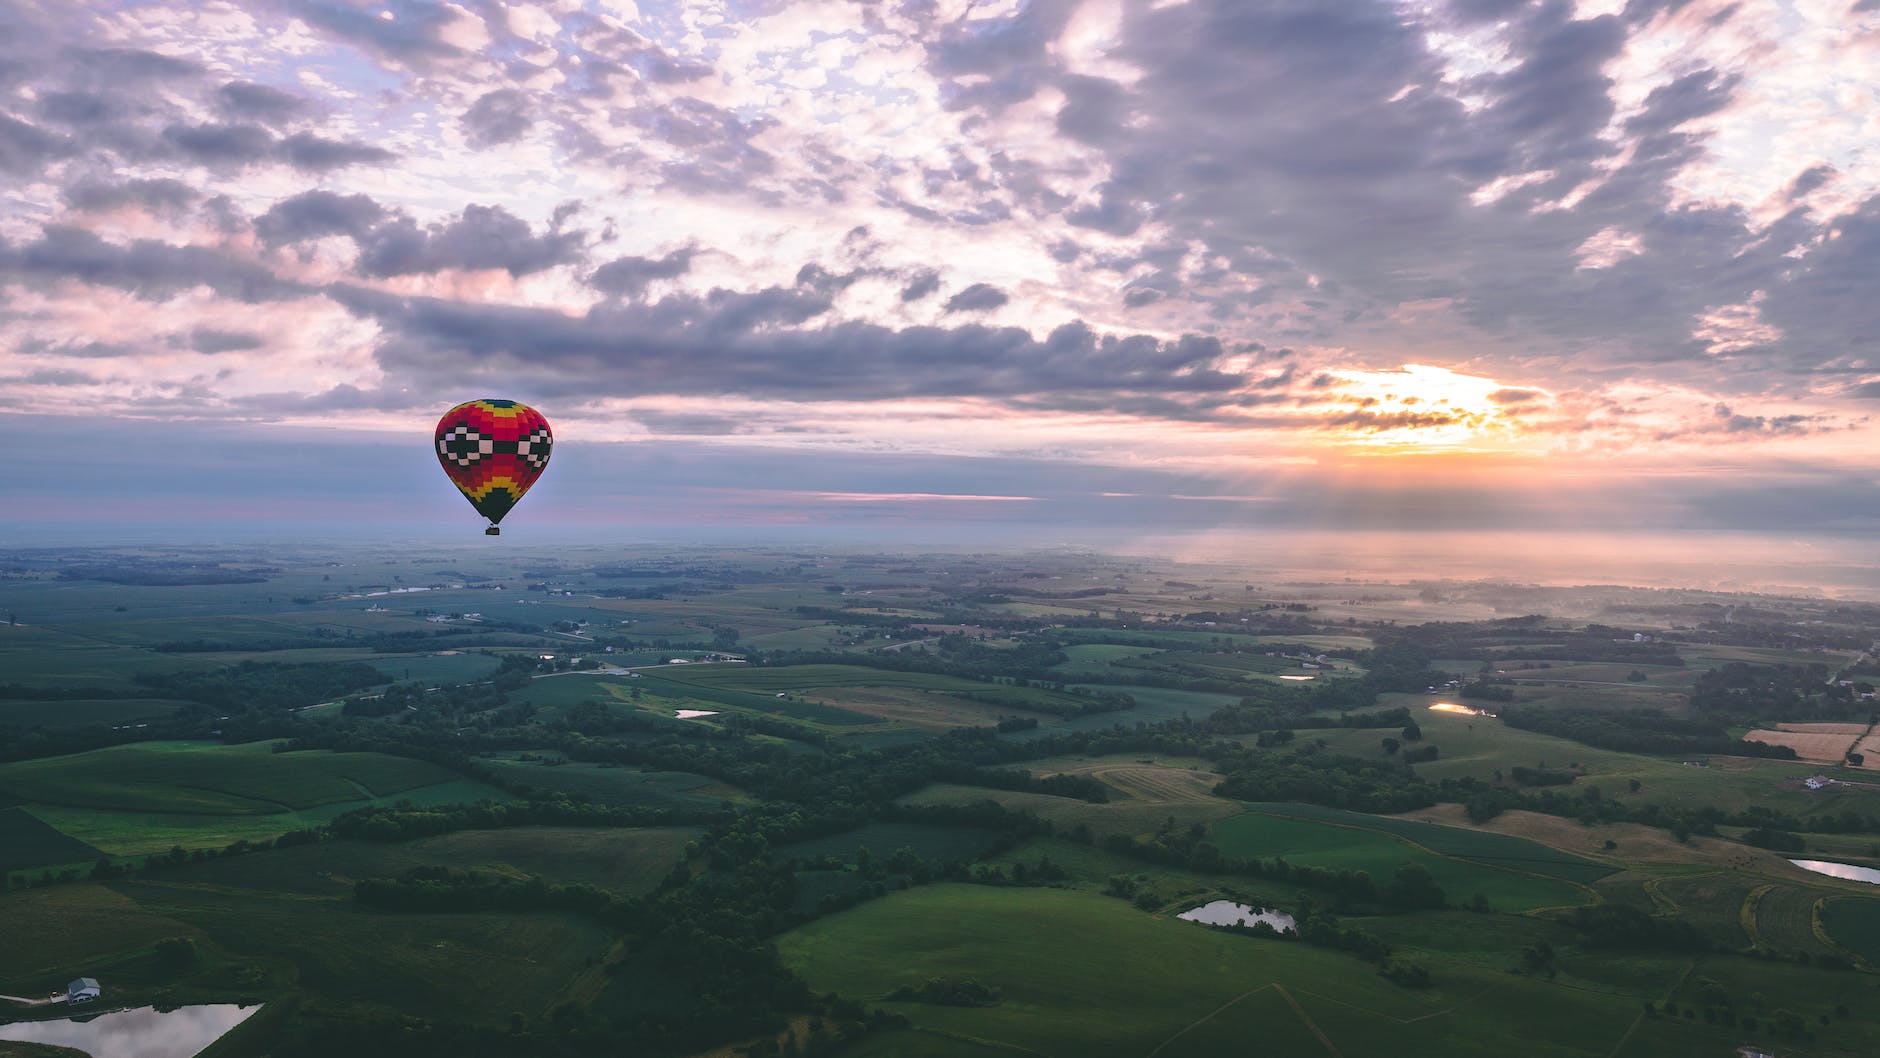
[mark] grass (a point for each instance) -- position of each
(1117, 817)
(211, 779)
(1305, 843)
(621, 785)
(473, 968)
(53, 933)
(1785, 920)
(137, 833)
(26, 841)
(1855, 925)
(882, 840)
(1494, 850)
(1087, 975)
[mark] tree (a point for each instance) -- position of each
(1411, 732)
(1391, 745)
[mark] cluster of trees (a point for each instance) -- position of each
(263, 685)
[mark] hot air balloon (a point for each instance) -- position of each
(493, 451)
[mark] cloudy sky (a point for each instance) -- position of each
(1114, 263)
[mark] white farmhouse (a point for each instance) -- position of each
(83, 990)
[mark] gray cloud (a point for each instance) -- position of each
(756, 343)
(480, 237)
(316, 154)
(977, 297)
(220, 146)
(259, 102)
(158, 196)
(148, 268)
(497, 117)
(316, 214)
(921, 286)
(25, 149)
(212, 340)
(629, 276)
(413, 35)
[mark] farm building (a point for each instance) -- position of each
(83, 990)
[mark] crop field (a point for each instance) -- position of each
(1784, 918)
(26, 841)
(883, 839)
(757, 703)
(925, 710)
(820, 679)
(50, 657)
(81, 712)
(137, 833)
(629, 860)
(1085, 657)
(1160, 782)
(1183, 990)
(1313, 844)
(1494, 850)
(201, 778)
(1854, 923)
(437, 669)
(469, 967)
(1116, 817)
(53, 930)
(1713, 903)
(1814, 745)
(620, 785)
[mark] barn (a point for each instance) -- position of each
(83, 990)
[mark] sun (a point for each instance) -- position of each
(1422, 408)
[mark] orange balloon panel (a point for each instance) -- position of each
(493, 451)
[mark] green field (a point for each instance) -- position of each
(1313, 844)
(798, 680)
(1854, 923)
(1085, 975)
(26, 841)
(614, 785)
(80, 712)
(882, 840)
(1494, 850)
(212, 779)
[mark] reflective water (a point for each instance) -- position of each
(1229, 913)
(1451, 707)
(140, 1033)
(1840, 870)
(1295, 677)
(690, 714)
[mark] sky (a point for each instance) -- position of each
(998, 267)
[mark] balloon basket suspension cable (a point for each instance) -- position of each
(492, 531)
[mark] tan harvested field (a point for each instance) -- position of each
(1167, 781)
(1635, 844)
(1827, 747)
(912, 706)
(1870, 748)
(1824, 729)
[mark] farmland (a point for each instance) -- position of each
(896, 777)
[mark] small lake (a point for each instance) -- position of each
(1840, 870)
(140, 1033)
(1228, 913)
(693, 714)
(1295, 677)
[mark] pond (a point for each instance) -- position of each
(1840, 870)
(693, 714)
(141, 1033)
(1229, 913)
(1451, 707)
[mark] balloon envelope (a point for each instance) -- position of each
(493, 451)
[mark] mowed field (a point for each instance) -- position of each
(148, 797)
(1822, 743)
(1313, 844)
(1085, 975)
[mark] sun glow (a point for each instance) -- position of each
(1419, 407)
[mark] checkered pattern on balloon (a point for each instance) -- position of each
(493, 451)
